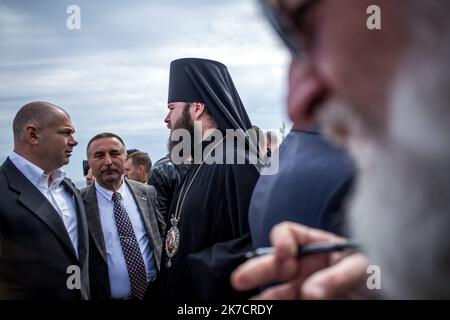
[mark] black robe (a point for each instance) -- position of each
(214, 233)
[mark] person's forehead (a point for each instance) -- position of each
(105, 144)
(66, 124)
(61, 119)
(59, 114)
(176, 104)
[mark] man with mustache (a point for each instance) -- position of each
(43, 230)
(383, 94)
(125, 226)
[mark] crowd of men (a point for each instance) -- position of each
(367, 159)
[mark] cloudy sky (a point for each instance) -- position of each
(112, 74)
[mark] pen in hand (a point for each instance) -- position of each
(308, 249)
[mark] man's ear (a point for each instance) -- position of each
(141, 169)
(199, 109)
(32, 134)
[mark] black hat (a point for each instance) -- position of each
(208, 81)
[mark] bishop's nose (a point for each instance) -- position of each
(167, 121)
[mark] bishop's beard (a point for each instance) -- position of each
(184, 122)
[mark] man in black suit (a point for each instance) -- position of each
(43, 230)
(125, 226)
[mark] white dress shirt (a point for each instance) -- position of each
(60, 198)
(117, 268)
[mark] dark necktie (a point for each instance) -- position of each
(130, 249)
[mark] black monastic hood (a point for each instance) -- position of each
(208, 81)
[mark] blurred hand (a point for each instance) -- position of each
(334, 275)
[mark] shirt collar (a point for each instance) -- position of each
(107, 194)
(35, 174)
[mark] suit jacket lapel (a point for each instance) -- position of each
(36, 202)
(81, 220)
(83, 236)
(93, 221)
(151, 225)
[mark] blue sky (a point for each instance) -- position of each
(112, 74)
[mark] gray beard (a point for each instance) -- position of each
(400, 208)
(401, 212)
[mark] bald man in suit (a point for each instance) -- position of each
(43, 229)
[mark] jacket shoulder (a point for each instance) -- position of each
(141, 187)
(85, 190)
(69, 181)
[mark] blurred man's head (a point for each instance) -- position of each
(259, 139)
(106, 154)
(43, 134)
(272, 140)
(130, 151)
(89, 177)
(384, 93)
(137, 166)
